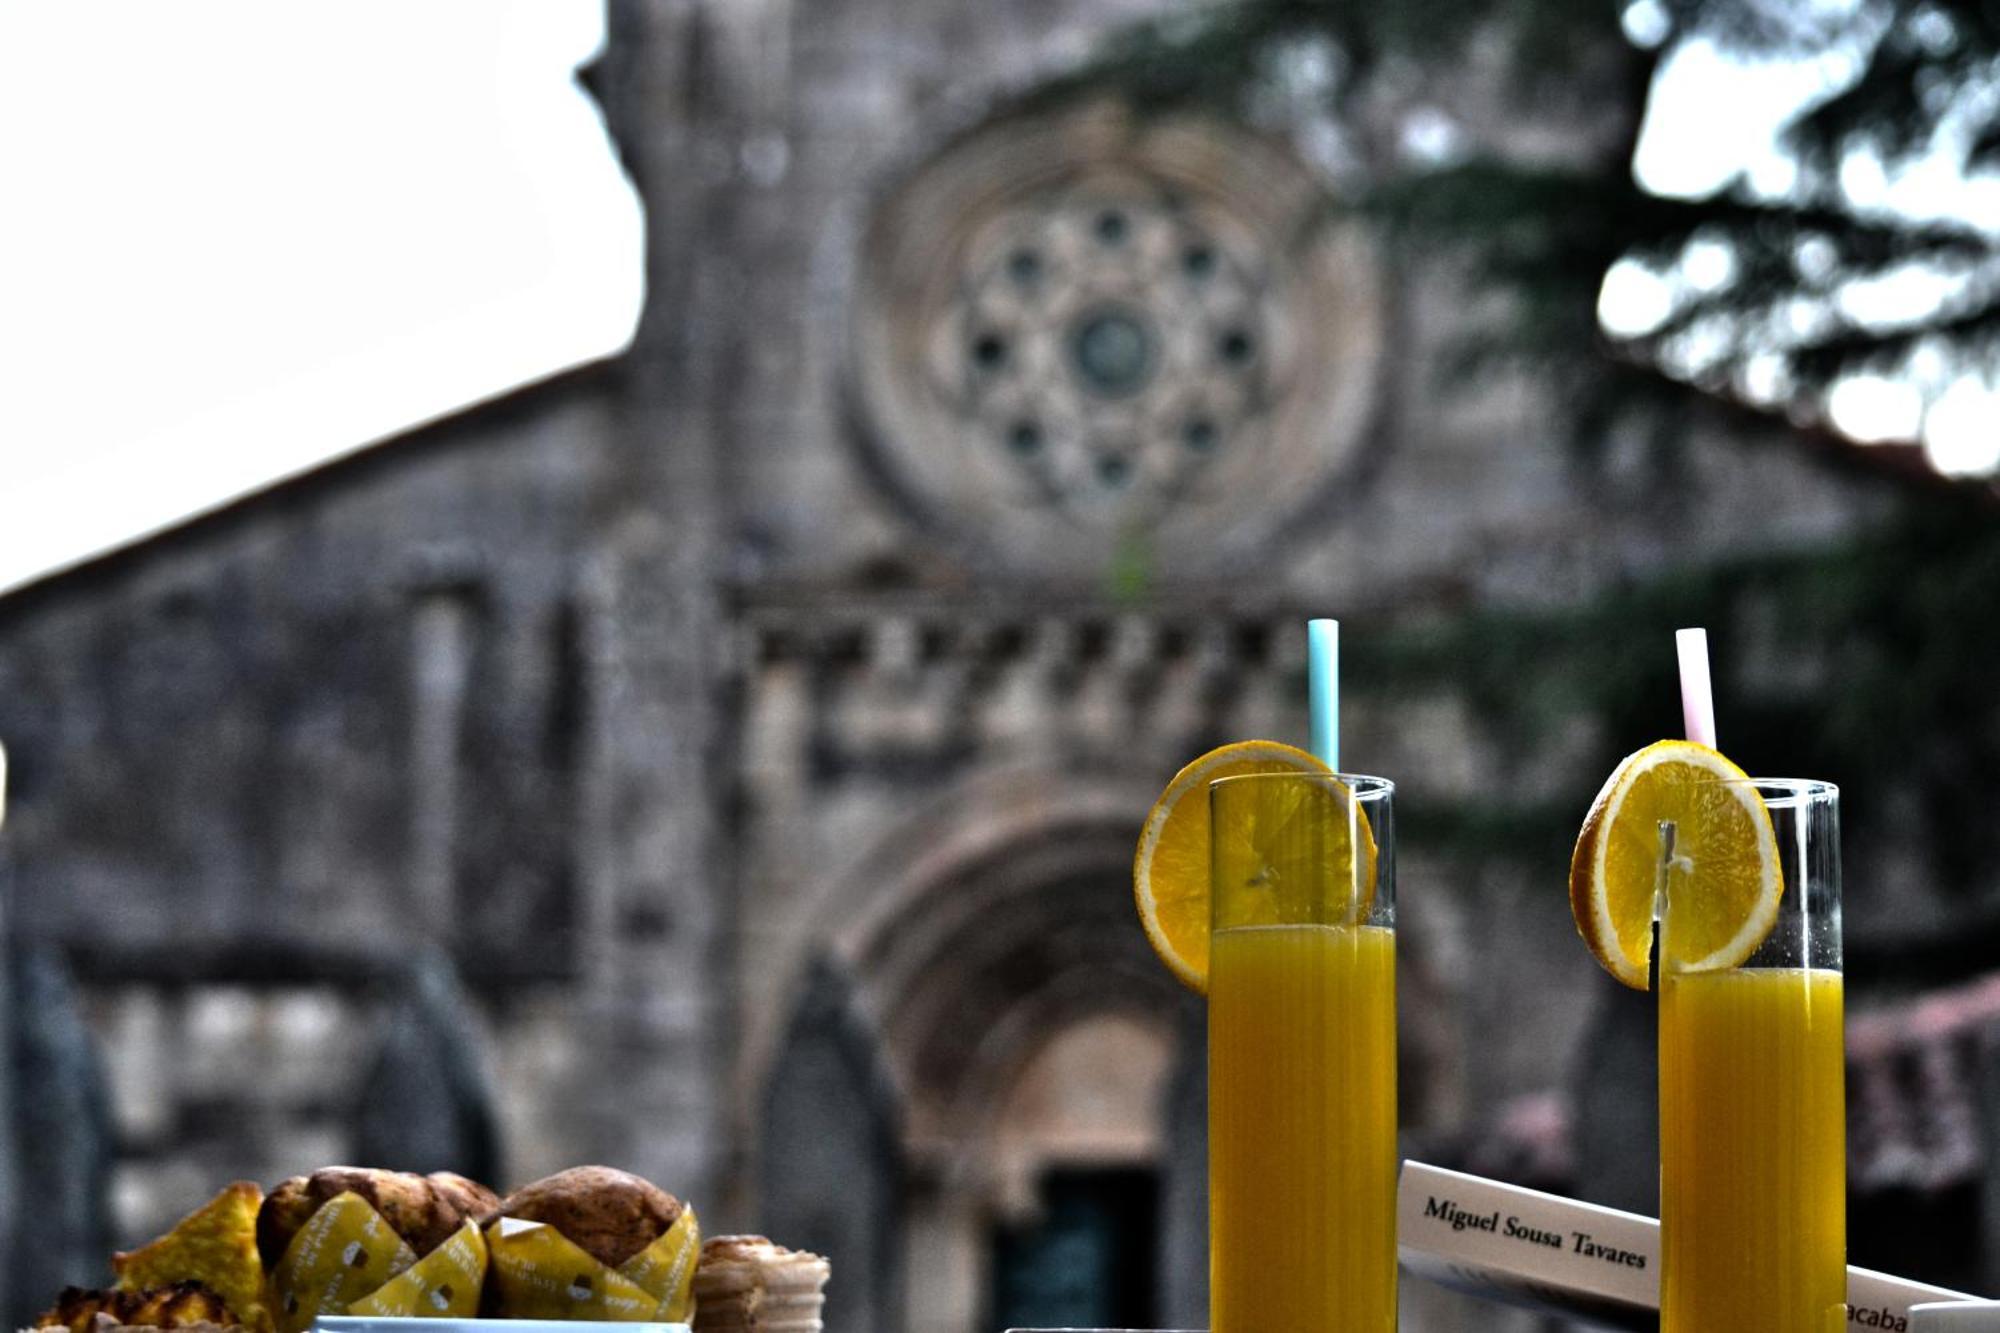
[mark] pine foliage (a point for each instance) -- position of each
(1912, 82)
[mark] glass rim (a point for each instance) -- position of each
(1784, 793)
(1364, 786)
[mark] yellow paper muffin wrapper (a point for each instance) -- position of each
(347, 1259)
(444, 1284)
(539, 1273)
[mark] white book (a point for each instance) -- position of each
(1582, 1260)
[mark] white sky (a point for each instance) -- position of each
(241, 238)
(1713, 117)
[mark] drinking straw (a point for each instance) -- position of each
(1697, 699)
(1323, 689)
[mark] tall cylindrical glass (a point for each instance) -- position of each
(1302, 1055)
(1753, 1140)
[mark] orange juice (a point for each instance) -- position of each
(1753, 1170)
(1302, 1129)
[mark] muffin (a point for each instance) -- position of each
(611, 1215)
(424, 1210)
(747, 1283)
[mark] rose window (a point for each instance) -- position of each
(1086, 331)
(1107, 345)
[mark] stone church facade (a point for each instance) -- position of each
(741, 745)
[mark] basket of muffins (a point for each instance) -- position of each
(358, 1250)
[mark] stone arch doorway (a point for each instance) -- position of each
(1032, 1030)
(983, 1035)
(1078, 1155)
(980, 1020)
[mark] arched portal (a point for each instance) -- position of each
(1025, 1032)
(998, 1051)
(1032, 1029)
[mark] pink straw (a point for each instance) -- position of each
(1697, 698)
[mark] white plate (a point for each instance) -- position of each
(1954, 1316)
(348, 1323)
(369, 1323)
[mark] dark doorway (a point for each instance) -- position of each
(1929, 1235)
(833, 1169)
(1087, 1262)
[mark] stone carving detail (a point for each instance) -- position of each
(1087, 333)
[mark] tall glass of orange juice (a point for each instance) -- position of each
(1302, 1055)
(1753, 1178)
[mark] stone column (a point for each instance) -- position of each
(682, 86)
(59, 1113)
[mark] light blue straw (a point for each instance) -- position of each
(1323, 689)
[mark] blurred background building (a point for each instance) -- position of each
(725, 761)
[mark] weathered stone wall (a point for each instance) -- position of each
(265, 763)
(256, 730)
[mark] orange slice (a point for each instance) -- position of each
(1723, 873)
(1170, 874)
